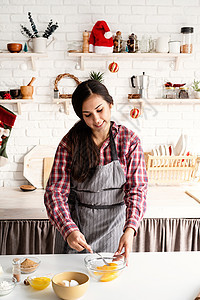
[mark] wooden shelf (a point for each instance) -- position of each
(32, 56)
(175, 56)
(16, 101)
(162, 101)
(65, 102)
(166, 101)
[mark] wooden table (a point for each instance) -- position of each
(152, 276)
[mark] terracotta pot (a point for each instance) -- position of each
(27, 92)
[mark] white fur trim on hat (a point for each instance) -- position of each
(91, 48)
(102, 49)
(108, 35)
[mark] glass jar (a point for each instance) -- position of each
(16, 269)
(132, 44)
(187, 39)
(169, 93)
(183, 93)
(117, 41)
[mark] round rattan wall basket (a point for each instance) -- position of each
(62, 97)
(59, 77)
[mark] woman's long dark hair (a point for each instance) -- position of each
(84, 151)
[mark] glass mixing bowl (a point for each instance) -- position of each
(100, 271)
(7, 284)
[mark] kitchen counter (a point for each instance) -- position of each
(171, 222)
(166, 276)
(162, 202)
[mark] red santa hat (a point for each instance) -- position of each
(101, 40)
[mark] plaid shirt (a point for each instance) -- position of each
(131, 158)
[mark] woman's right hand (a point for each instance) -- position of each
(77, 241)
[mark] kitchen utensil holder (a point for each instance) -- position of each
(170, 169)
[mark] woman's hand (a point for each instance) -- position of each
(126, 242)
(77, 241)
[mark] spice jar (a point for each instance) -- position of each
(187, 39)
(117, 41)
(183, 94)
(16, 270)
(169, 93)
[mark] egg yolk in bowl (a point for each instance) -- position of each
(39, 283)
(108, 276)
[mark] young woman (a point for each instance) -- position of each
(96, 193)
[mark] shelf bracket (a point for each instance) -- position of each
(177, 61)
(19, 108)
(66, 107)
(82, 63)
(33, 63)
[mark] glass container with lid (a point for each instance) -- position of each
(169, 93)
(187, 39)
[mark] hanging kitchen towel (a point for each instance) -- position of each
(7, 120)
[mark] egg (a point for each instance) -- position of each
(69, 283)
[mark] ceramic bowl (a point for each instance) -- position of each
(70, 292)
(101, 272)
(29, 264)
(39, 281)
(7, 284)
(15, 93)
(14, 47)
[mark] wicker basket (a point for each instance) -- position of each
(171, 169)
(59, 77)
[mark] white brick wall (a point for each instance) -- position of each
(42, 122)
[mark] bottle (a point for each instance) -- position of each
(187, 39)
(16, 269)
(85, 41)
(56, 94)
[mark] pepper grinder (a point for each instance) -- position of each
(85, 41)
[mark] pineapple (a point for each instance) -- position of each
(96, 76)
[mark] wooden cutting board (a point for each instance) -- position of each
(34, 164)
(47, 166)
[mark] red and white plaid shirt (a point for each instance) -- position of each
(131, 158)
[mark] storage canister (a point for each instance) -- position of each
(174, 46)
(187, 39)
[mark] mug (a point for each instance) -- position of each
(162, 44)
(39, 44)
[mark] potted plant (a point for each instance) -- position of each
(196, 88)
(39, 41)
(97, 76)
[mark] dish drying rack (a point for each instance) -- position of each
(171, 169)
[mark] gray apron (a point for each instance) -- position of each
(97, 206)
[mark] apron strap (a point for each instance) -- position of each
(114, 155)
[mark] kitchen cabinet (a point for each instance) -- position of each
(154, 56)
